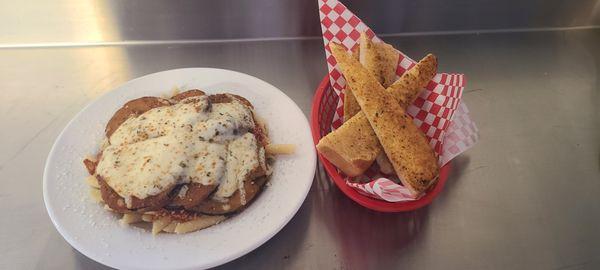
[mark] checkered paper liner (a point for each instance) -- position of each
(437, 111)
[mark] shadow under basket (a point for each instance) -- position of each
(323, 109)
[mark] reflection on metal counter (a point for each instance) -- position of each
(113, 20)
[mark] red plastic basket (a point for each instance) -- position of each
(323, 109)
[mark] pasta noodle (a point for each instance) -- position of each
(171, 227)
(280, 149)
(147, 218)
(92, 181)
(159, 224)
(96, 196)
(130, 218)
(198, 224)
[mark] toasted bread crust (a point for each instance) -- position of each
(351, 107)
(408, 87)
(352, 147)
(405, 90)
(388, 57)
(380, 59)
(405, 145)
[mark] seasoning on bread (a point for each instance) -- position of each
(380, 59)
(351, 107)
(352, 148)
(405, 90)
(405, 145)
(408, 87)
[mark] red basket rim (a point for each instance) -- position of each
(371, 203)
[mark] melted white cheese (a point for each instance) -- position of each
(161, 121)
(242, 159)
(186, 142)
(226, 122)
(144, 168)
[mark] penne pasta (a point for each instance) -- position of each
(147, 218)
(159, 224)
(129, 218)
(96, 196)
(171, 227)
(92, 181)
(198, 224)
(280, 149)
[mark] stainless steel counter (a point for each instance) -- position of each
(525, 197)
(116, 20)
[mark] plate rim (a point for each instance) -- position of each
(230, 257)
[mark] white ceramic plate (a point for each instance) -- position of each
(96, 232)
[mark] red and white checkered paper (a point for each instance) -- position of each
(437, 111)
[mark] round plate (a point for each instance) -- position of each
(97, 233)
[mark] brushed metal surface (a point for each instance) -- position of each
(114, 20)
(390, 16)
(525, 197)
